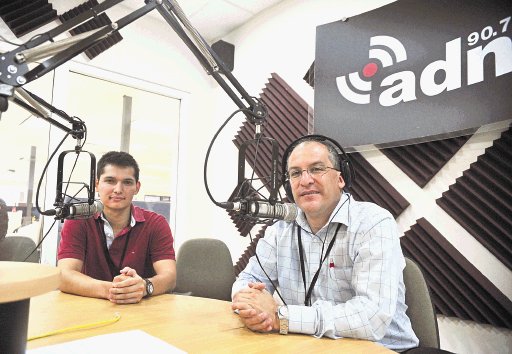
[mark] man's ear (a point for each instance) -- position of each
(341, 181)
(138, 187)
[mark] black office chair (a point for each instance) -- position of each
(17, 248)
(205, 269)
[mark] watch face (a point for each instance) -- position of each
(283, 311)
(149, 287)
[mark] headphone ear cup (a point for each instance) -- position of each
(346, 172)
(286, 183)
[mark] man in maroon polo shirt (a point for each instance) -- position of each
(126, 252)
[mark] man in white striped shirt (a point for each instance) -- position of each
(337, 268)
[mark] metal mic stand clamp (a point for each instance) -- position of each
(78, 131)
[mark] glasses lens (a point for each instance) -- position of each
(294, 174)
(316, 170)
(312, 171)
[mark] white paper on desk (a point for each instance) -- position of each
(129, 342)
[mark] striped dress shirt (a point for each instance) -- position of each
(360, 291)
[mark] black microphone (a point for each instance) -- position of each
(76, 211)
(260, 209)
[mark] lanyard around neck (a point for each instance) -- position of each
(113, 270)
(309, 292)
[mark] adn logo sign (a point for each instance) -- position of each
(413, 71)
(387, 50)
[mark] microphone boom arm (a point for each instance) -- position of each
(15, 72)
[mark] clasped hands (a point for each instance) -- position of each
(257, 308)
(127, 288)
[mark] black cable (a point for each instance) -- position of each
(65, 194)
(50, 159)
(43, 174)
(40, 242)
(323, 242)
(205, 178)
(205, 168)
(258, 140)
(263, 269)
(3, 39)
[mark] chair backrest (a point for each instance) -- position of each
(204, 268)
(17, 248)
(420, 309)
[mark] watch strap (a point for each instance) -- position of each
(149, 287)
(282, 314)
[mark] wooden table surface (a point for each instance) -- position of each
(19, 280)
(193, 324)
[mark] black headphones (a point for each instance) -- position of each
(346, 169)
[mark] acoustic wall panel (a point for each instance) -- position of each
(422, 161)
(481, 199)
(24, 16)
(249, 252)
(370, 186)
(457, 287)
(310, 75)
(94, 23)
(288, 119)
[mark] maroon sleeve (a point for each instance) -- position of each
(161, 244)
(72, 242)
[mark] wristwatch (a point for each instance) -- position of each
(149, 287)
(282, 314)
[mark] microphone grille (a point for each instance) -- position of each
(99, 206)
(291, 212)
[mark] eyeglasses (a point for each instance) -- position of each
(313, 171)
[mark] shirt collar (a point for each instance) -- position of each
(338, 215)
(136, 216)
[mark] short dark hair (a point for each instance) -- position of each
(117, 158)
(333, 153)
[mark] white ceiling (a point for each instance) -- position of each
(216, 18)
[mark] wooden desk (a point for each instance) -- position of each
(196, 325)
(19, 280)
(18, 283)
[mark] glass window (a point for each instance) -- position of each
(120, 113)
(24, 144)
